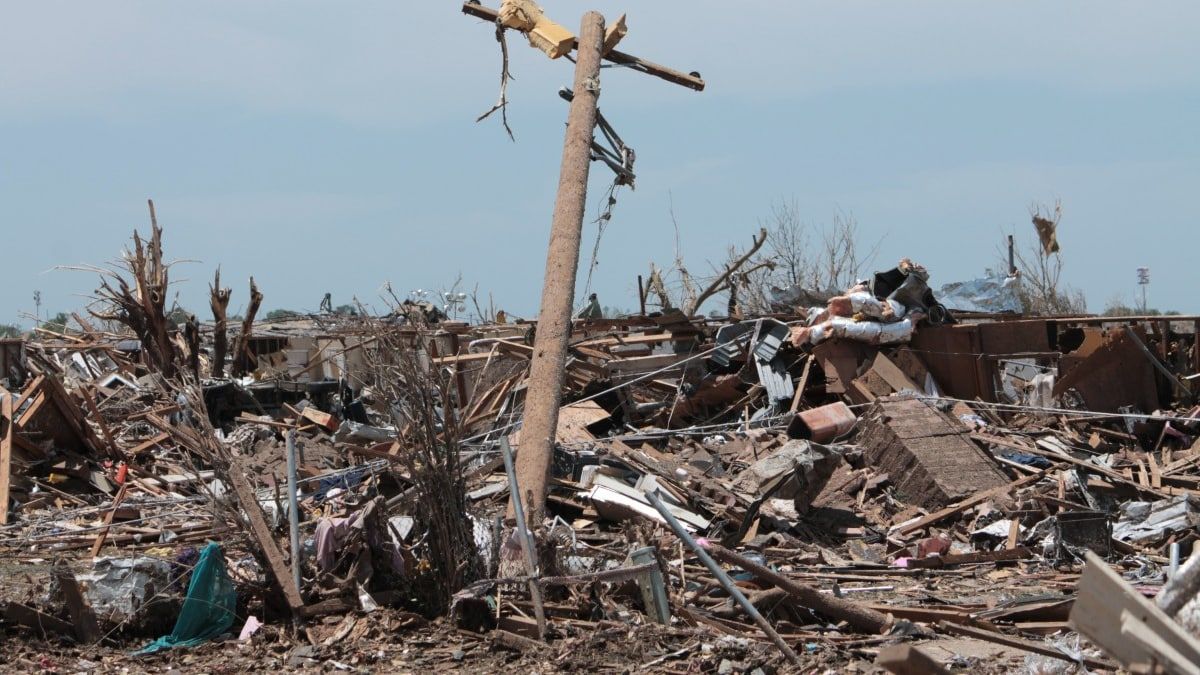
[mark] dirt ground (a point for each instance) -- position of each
(386, 642)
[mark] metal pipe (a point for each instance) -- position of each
(293, 508)
(863, 618)
(721, 576)
(535, 589)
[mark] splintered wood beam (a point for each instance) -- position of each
(690, 80)
(6, 443)
(261, 532)
(113, 448)
(98, 544)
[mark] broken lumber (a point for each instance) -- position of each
(1018, 643)
(1127, 626)
(862, 618)
(690, 80)
(108, 518)
(261, 532)
(6, 443)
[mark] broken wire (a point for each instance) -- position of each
(505, 76)
(602, 221)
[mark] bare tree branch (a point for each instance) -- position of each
(722, 282)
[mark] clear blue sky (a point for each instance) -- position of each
(326, 146)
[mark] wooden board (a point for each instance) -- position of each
(1106, 601)
(6, 443)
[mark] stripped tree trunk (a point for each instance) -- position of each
(219, 301)
(243, 360)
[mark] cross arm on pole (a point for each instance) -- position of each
(690, 80)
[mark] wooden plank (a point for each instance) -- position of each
(931, 614)
(146, 445)
(6, 444)
(108, 518)
(640, 365)
(801, 384)
(1019, 553)
(514, 641)
(1094, 468)
(1105, 601)
(90, 401)
(622, 340)
(1019, 643)
(165, 410)
(261, 532)
(1161, 651)
(320, 418)
(689, 80)
(1155, 473)
(255, 419)
(32, 411)
(38, 621)
(30, 389)
(460, 358)
(1014, 533)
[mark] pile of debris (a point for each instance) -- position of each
(878, 480)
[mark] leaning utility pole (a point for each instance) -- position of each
(543, 396)
(544, 393)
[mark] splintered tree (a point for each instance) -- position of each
(219, 302)
(243, 358)
(140, 302)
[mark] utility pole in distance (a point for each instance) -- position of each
(1143, 275)
(543, 396)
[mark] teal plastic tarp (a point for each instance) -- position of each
(208, 610)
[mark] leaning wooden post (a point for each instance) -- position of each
(544, 394)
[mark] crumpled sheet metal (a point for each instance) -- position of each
(348, 431)
(1141, 522)
(799, 471)
(117, 588)
(986, 294)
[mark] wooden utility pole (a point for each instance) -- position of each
(544, 392)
